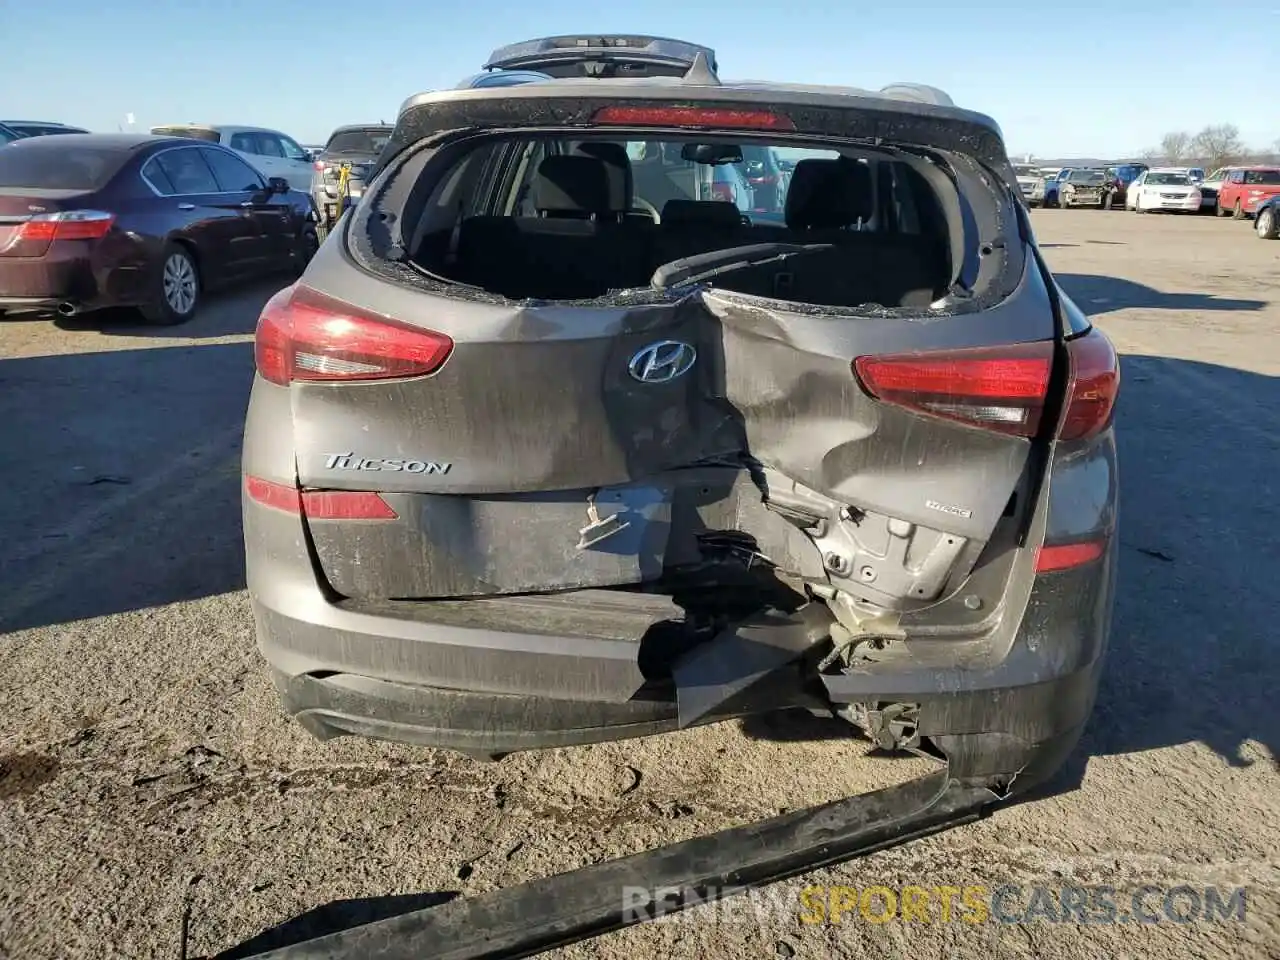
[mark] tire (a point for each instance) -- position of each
(1266, 224)
(1106, 201)
(176, 289)
(1064, 201)
(1237, 212)
(1219, 210)
(308, 244)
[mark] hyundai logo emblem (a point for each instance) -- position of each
(662, 362)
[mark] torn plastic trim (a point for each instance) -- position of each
(568, 908)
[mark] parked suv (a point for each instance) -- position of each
(1118, 178)
(767, 179)
(546, 448)
(270, 152)
(357, 147)
(1244, 188)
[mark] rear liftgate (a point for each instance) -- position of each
(554, 911)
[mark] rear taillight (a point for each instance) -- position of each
(1051, 558)
(1092, 388)
(766, 180)
(319, 165)
(997, 388)
(304, 335)
(319, 504)
(33, 237)
(716, 117)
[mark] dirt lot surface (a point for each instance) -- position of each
(146, 773)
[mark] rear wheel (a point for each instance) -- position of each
(308, 244)
(176, 292)
(1237, 212)
(1267, 226)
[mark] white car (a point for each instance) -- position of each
(270, 152)
(1164, 188)
(1028, 177)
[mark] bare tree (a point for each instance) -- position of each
(1218, 145)
(1149, 155)
(1175, 146)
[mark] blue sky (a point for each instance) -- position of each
(1096, 78)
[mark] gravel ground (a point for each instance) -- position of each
(146, 774)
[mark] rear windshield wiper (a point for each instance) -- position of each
(707, 265)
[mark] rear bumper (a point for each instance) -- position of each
(45, 282)
(519, 673)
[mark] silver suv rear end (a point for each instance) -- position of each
(549, 445)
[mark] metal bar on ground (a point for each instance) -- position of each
(570, 907)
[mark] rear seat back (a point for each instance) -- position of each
(575, 248)
(825, 200)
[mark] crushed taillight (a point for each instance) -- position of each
(1093, 385)
(997, 388)
(714, 117)
(34, 236)
(319, 504)
(304, 335)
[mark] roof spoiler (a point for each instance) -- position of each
(566, 55)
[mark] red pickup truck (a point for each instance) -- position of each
(1244, 188)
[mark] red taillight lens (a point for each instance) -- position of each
(304, 335)
(997, 388)
(1094, 384)
(33, 237)
(1064, 556)
(319, 165)
(319, 504)
(721, 118)
(766, 180)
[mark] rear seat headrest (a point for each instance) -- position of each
(829, 193)
(717, 213)
(617, 165)
(571, 184)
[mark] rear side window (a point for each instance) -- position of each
(232, 173)
(154, 174)
(187, 133)
(359, 141)
(37, 163)
(187, 171)
(1265, 177)
(248, 143)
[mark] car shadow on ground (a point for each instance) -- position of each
(222, 314)
(332, 918)
(125, 494)
(1096, 294)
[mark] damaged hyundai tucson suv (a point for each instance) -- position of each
(550, 445)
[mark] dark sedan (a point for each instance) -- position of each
(41, 128)
(100, 220)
